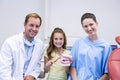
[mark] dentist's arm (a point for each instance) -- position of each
(6, 62)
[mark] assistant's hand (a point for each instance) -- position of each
(29, 77)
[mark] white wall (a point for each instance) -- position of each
(60, 13)
(67, 15)
(12, 15)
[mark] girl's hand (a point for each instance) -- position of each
(55, 60)
(48, 64)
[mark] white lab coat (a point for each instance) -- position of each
(13, 54)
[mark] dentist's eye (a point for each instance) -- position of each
(31, 25)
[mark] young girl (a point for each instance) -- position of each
(53, 54)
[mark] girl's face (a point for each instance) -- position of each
(90, 26)
(58, 40)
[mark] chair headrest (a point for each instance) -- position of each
(114, 65)
(117, 39)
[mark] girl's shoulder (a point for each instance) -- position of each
(66, 51)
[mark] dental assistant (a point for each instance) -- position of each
(90, 53)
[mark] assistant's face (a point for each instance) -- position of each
(31, 28)
(90, 26)
(58, 40)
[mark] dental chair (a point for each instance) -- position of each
(114, 62)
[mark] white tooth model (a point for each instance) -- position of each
(66, 60)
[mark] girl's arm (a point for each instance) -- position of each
(47, 64)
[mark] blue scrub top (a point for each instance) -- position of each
(90, 58)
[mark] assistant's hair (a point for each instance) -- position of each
(34, 15)
(88, 15)
(51, 46)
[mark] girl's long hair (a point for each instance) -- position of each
(51, 46)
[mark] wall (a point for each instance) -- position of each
(67, 14)
(12, 15)
(60, 13)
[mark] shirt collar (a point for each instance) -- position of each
(28, 43)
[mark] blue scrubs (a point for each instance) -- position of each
(90, 58)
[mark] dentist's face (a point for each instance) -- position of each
(31, 28)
